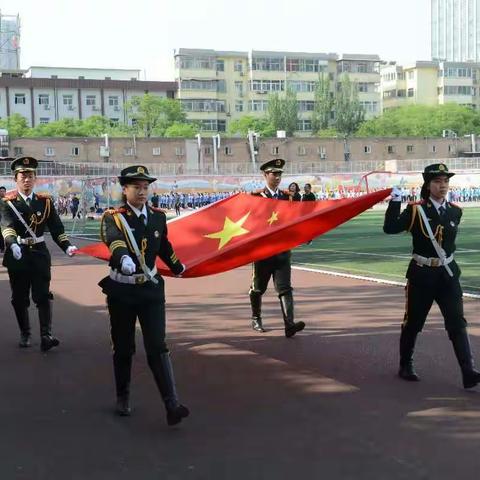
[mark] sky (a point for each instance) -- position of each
(143, 34)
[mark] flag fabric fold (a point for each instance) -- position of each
(243, 228)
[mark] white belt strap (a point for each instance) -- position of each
(133, 242)
(19, 216)
(440, 251)
(137, 279)
(30, 241)
(432, 261)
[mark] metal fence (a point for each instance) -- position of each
(68, 168)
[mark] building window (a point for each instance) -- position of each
(411, 75)
(239, 106)
(391, 148)
(156, 151)
(452, 149)
(68, 100)
(91, 100)
(220, 66)
(44, 99)
(433, 149)
(49, 152)
(411, 92)
(179, 151)
(208, 151)
(322, 152)
(275, 150)
(20, 99)
(18, 151)
(128, 151)
(258, 105)
(113, 101)
(301, 150)
(410, 149)
(75, 151)
(114, 122)
(367, 149)
(238, 66)
(44, 120)
(239, 89)
(264, 86)
(228, 150)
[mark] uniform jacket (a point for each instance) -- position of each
(282, 195)
(39, 216)
(152, 240)
(445, 230)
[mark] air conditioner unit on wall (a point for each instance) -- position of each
(116, 108)
(46, 107)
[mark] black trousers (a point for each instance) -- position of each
(22, 282)
(279, 267)
(123, 318)
(440, 288)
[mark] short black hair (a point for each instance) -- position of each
(2, 187)
(308, 185)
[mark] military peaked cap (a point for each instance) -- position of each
(436, 170)
(24, 164)
(275, 165)
(135, 172)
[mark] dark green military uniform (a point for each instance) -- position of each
(428, 278)
(32, 271)
(278, 266)
(136, 296)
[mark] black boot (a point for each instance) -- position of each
(47, 340)
(407, 347)
(256, 304)
(21, 312)
(162, 370)
(463, 352)
(122, 367)
(291, 327)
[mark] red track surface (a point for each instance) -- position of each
(326, 404)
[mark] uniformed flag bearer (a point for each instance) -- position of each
(278, 266)
(25, 216)
(433, 274)
(136, 235)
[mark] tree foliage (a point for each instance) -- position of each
(283, 111)
(15, 124)
(423, 121)
(152, 115)
(181, 130)
(324, 103)
(242, 125)
(349, 114)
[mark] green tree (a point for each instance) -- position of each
(260, 125)
(181, 130)
(15, 124)
(422, 121)
(349, 114)
(324, 104)
(153, 114)
(283, 111)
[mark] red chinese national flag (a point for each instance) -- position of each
(244, 228)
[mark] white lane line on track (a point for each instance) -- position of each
(367, 279)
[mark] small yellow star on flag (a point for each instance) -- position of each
(230, 229)
(273, 218)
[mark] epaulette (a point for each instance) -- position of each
(419, 202)
(455, 205)
(43, 195)
(112, 210)
(159, 210)
(9, 197)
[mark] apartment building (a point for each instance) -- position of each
(216, 87)
(430, 83)
(45, 94)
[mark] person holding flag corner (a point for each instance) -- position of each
(433, 274)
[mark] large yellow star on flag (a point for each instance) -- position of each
(230, 230)
(273, 218)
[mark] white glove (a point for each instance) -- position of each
(396, 195)
(16, 250)
(71, 250)
(178, 275)
(128, 265)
